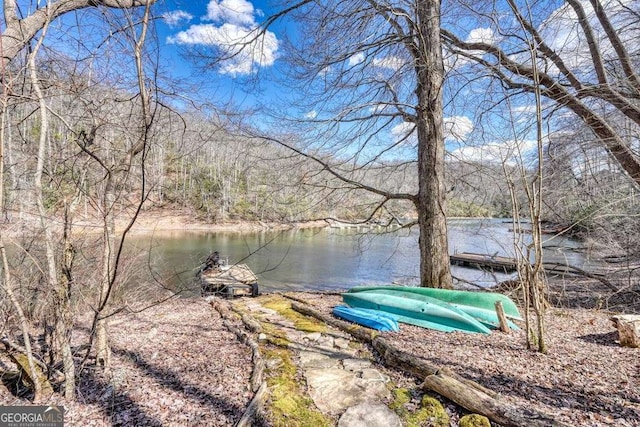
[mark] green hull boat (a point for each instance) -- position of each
(427, 313)
(487, 317)
(461, 299)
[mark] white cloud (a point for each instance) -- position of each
(391, 62)
(177, 17)
(240, 12)
(509, 152)
(356, 59)
(481, 35)
(477, 35)
(457, 127)
(565, 36)
(525, 109)
(311, 115)
(403, 129)
(379, 108)
(235, 33)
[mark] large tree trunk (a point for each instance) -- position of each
(435, 270)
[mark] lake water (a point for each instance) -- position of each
(325, 259)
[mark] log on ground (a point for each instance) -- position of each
(468, 394)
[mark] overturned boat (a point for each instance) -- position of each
(479, 305)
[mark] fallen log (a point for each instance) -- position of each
(411, 364)
(254, 408)
(21, 360)
(466, 393)
(227, 315)
(476, 401)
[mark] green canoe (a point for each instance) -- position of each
(461, 299)
(428, 313)
(487, 317)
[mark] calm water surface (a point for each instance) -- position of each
(324, 259)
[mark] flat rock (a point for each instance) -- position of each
(295, 336)
(333, 390)
(315, 360)
(369, 414)
(341, 343)
(325, 342)
(313, 336)
(356, 364)
(373, 375)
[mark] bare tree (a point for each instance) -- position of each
(20, 30)
(585, 61)
(7, 280)
(58, 269)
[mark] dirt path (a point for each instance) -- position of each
(339, 374)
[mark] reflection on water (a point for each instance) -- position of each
(324, 259)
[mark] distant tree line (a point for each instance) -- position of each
(196, 162)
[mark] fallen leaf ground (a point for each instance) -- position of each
(177, 365)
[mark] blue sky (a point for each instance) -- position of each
(210, 26)
(218, 24)
(215, 25)
(207, 25)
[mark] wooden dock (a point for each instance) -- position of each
(495, 263)
(501, 264)
(229, 281)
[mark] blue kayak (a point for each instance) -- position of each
(374, 319)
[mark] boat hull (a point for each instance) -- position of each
(479, 300)
(428, 313)
(488, 318)
(374, 319)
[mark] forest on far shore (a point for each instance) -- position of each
(204, 165)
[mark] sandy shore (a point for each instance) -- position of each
(161, 222)
(148, 222)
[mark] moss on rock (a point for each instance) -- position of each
(401, 396)
(474, 420)
(431, 412)
(301, 322)
(289, 406)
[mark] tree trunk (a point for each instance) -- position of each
(61, 300)
(64, 316)
(103, 352)
(435, 271)
(476, 401)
